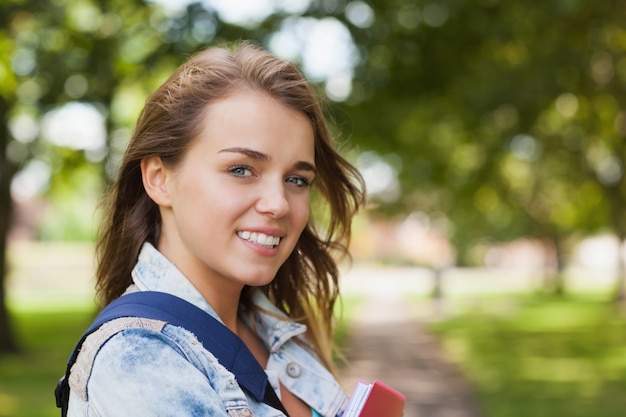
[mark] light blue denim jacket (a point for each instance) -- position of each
(142, 367)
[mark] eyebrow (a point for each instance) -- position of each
(260, 156)
(250, 153)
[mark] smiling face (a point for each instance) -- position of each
(234, 209)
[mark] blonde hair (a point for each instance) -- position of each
(306, 286)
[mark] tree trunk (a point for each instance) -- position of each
(8, 342)
(554, 280)
(559, 287)
(620, 287)
(619, 219)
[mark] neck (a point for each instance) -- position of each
(225, 303)
(221, 293)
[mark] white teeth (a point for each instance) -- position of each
(259, 238)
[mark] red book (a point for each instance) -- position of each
(375, 400)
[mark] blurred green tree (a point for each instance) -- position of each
(100, 58)
(7, 168)
(506, 116)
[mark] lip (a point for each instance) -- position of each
(259, 249)
(270, 231)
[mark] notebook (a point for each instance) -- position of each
(375, 400)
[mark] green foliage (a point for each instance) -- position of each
(507, 116)
(71, 213)
(541, 356)
(27, 380)
(503, 117)
(495, 112)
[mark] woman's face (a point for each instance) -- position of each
(235, 207)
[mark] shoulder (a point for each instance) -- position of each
(96, 342)
(148, 365)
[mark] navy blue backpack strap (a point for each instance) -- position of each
(218, 339)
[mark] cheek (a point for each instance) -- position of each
(301, 211)
(209, 197)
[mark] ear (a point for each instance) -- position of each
(155, 177)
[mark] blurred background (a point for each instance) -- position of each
(490, 134)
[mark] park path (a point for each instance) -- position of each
(388, 341)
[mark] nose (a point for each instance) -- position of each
(272, 199)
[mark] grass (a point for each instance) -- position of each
(346, 310)
(541, 356)
(28, 379)
(525, 355)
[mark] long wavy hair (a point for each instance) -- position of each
(306, 286)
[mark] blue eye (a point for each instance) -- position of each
(299, 181)
(241, 171)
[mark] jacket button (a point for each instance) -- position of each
(293, 370)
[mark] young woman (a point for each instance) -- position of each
(212, 204)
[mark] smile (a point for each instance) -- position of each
(260, 239)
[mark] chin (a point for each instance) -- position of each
(255, 275)
(257, 281)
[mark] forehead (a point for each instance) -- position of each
(256, 120)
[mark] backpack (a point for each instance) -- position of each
(225, 345)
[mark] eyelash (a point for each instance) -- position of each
(292, 180)
(305, 182)
(235, 168)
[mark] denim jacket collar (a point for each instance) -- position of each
(154, 272)
(273, 327)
